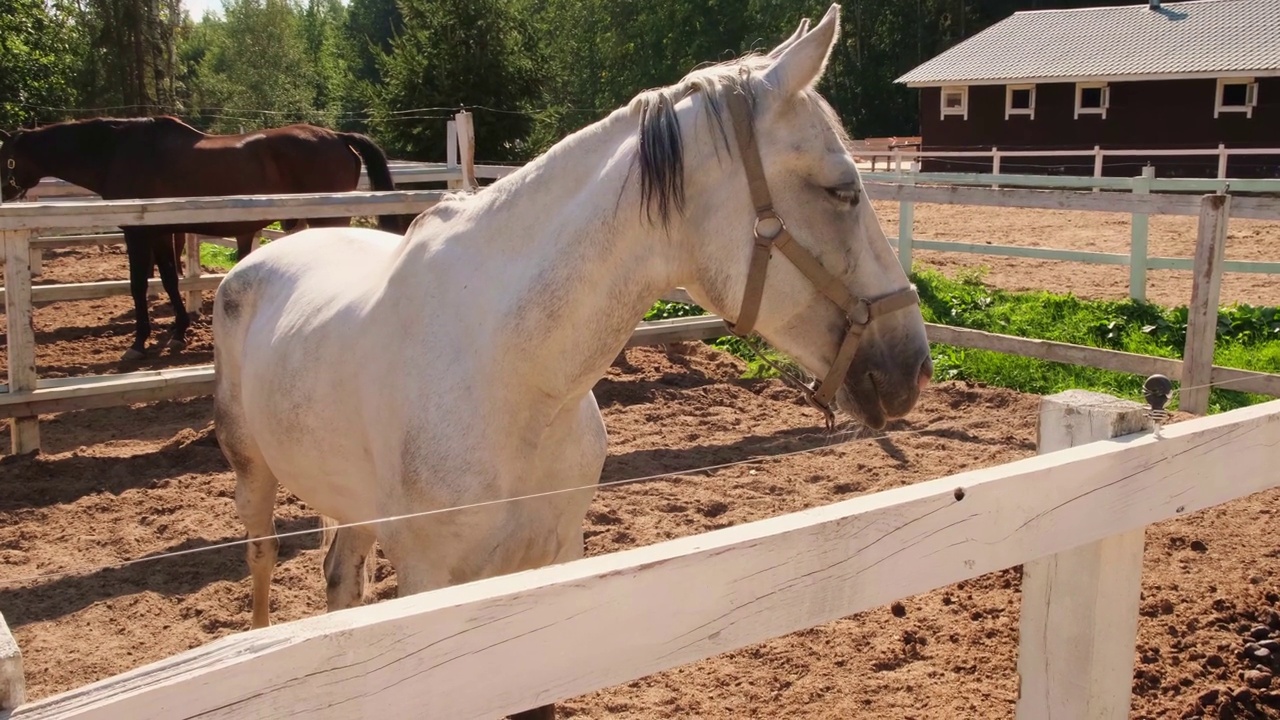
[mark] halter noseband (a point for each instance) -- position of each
(770, 231)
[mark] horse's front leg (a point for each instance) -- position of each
(167, 260)
(138, 249)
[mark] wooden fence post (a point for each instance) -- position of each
(467, 150)
(1079, 617)
(24, 431)
(995, 165)
(1202, 314)
(1097, 164)
(192, 271)
(13, 686)
(906, 224)
(451, 151)
(1138, 239)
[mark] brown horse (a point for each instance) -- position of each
(163, 157)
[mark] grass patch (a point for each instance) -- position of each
(217, 256)
(1248, 337)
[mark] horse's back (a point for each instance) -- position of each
(316, 267)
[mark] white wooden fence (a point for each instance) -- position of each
(898, 158)
(1138, 259)
(1073, 516)
(25, 396)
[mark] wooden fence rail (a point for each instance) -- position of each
(1073, 513)
(1035, 191)
(1098, 154)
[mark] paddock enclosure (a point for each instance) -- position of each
(132, 475)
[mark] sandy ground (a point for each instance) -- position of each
(122, 483)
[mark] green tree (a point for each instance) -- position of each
(256, 70)
(128, 64)
(38, 45)
(456, 53)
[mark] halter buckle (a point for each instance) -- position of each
(860, 314)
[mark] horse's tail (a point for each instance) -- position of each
(375, 165)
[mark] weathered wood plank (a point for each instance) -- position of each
(1202, 312)
(81, 393)
(1083, 256)
(1079, 618)
(467, 149)
(1101, 358)
(1259, 267)
(1138, 235)
(1046, 199)
(13, 684)
(1255, 208)
(192, 271)
(24, 431)
(108, 288)
(170, 211)
(464, 651)
(660, 332)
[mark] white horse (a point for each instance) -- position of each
(375, 375)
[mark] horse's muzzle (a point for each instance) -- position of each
(885, 382)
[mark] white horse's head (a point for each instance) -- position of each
(866, 318)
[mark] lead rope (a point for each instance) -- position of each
(806, 389)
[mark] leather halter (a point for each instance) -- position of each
(13, 179)
(770, 231)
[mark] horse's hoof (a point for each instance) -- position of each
(177, 345)
(132, 354)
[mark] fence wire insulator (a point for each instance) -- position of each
(1156, 390)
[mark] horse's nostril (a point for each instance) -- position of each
(926, 372)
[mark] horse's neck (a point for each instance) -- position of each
(76, 154)
(559, 252)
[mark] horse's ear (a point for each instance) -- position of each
(4, 136)
(801, 64)
(799, 33)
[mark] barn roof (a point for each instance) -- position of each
(1135, 42)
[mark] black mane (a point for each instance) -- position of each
(661, 150)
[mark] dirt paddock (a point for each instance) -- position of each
(122, 483)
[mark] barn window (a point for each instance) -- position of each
(1236, 95)
(1020, 100)
(955, 101)
(1092, 99)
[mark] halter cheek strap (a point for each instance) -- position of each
(770, 231)
(13, 178)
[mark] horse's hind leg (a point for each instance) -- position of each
(346, 567)
(244, 245)
(255, 503)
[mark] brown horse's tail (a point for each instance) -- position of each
(375, 165)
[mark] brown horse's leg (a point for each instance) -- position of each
(168, 265)
(179, 244)
(244, 245)
(138, 246)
